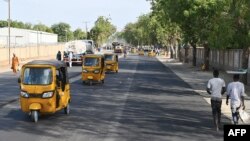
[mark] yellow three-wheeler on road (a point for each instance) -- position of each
(44, 87)
(151, 53)
(93, 69)
(141, 52)
(111, 62)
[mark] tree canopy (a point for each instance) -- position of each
(102, 30)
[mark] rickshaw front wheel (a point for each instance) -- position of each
(34, 116)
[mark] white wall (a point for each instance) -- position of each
(21, 37)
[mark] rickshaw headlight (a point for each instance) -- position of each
(85, 71)
(47, 94)
(96, 71)
(24, 94)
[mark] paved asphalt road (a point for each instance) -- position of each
(145, 101)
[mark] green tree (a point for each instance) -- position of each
(212, 23)
(16, 24)
(142, 32)
(42, 27)
(102, 30)
(233, 28)
(130, 35)
(79, 34)
(3, 23)
(63, 31)
(27, 26)
(194, 17)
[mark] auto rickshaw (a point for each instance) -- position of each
(141, 52)
(151, 53)
(93, 69)
(111, 62)
(133, 50)
(44, 88)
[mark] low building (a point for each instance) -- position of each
(24, 37)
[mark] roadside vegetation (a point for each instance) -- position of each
(99, 33)
(212, 24)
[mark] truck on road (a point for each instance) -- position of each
(79, 48)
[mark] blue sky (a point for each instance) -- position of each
(74, 12)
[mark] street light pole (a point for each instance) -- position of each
(37, 36)
(9, 27)
(37, 42)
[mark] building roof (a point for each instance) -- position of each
(26, 30)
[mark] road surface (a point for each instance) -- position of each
(145, 101)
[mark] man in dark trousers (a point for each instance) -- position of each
(59, 56)
(216, 87)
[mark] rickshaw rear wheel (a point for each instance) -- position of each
(34, 116)
(67, 109)
(103, 81)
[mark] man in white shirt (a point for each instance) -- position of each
(70, 58)
(216, 87)
(236, 92)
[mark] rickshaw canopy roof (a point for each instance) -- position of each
(94, 55)
(55, 63)
(110, 54)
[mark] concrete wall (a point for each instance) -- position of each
(30, 52)
(222, 59)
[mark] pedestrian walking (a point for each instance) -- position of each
(65, 54)
(15, 63)
(236, 93)
(216, 87)
(157, 52)
(70, 58)
(59, 56)
(125, 53)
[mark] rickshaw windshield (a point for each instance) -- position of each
(91, 62)
(108, 57)
(37, 76)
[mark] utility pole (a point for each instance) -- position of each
(8, 27)
(66, 35)
(86, 27)
(37, 36)
(37, 41)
